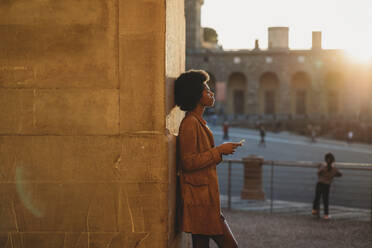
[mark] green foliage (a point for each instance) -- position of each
(210, 35)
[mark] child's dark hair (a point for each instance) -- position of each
(329, 158)
(188, 88)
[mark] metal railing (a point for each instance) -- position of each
(294, 181)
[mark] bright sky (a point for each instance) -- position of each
(345, 24)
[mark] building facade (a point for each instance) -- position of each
(279, 82)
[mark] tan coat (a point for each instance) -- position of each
(200, 195)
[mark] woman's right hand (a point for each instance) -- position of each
(228, 147)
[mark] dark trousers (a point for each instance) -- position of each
(321, 190)
(226, 240)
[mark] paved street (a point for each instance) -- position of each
(297, 184)
(285, 146)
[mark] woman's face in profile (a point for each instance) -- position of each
(207, 99)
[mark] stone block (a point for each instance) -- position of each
(59, 158)
(142, 211)
(76, 209)
(98, 240)
(76, 240)
(147, 188)
(157, 223)
(68, 12)
(77, 112)
(53, 207)
(69, 44)
(61, 112)
(142, 50)
(8, 214)
(42, 240)
(142, 16)
(143, 158)
(155, 240)
(16, 110)
(87, 59)
(5, 240)
(102, 215)
(142, 94)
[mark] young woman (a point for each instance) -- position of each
(198, 158)
(325, 178)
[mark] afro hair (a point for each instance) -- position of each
(188, 89)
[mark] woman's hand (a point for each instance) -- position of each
(228, 147)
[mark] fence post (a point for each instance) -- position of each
(271, 188)
(229, 187)
(252, 188)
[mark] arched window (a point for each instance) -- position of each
(300, 93)
(269, 94)
(236, 89)
(333, 88)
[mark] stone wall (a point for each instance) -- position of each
(85, 159)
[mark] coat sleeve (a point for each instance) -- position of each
(191, 158)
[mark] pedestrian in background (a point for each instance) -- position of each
(326, 173)
(350, 135)
(225, 130)
(313, 134)
(262, 135)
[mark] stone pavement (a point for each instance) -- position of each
(290, 138)
(297, 208)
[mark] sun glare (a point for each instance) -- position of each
(344, 24)
(359, 54)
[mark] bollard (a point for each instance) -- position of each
(252, 188)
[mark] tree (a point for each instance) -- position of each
(210, 35)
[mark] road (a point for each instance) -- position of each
(298, 184)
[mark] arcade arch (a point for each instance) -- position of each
(300, 93)
(236, 91)
(333, 89)
(269, 95)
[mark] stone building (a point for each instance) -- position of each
(279, 82)
(85, 156)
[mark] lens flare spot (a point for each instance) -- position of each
(25, 195)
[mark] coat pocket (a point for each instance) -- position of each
(197, 195)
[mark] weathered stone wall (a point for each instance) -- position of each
(85, 159)
(175, 64)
